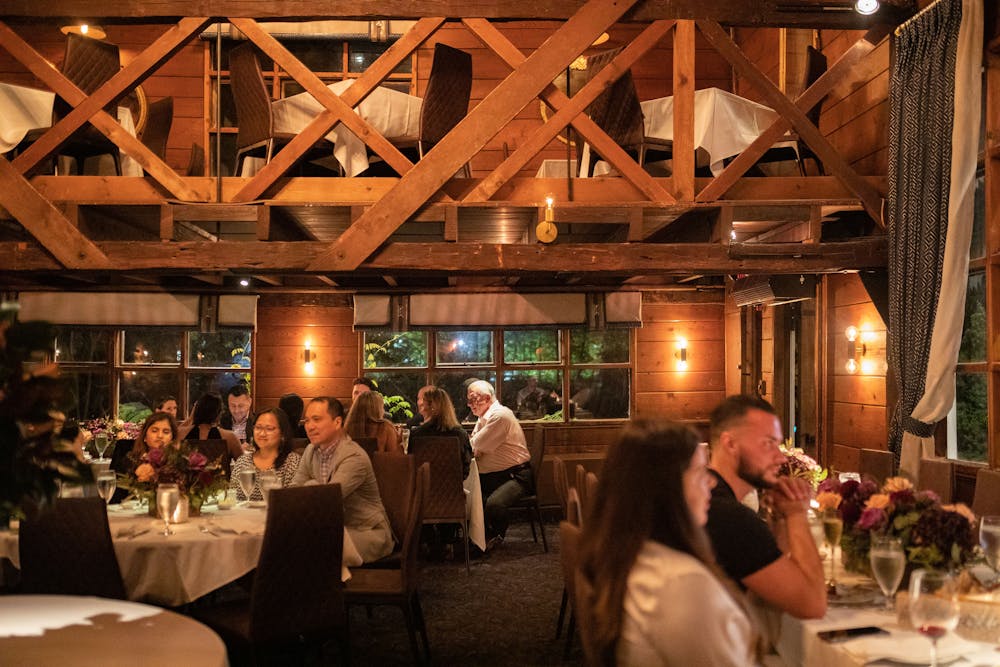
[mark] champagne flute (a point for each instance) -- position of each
(888, 561)
(989, 540)
(101, 443)
(168, 496)
(933, 605)
(106, 484)
(247, 479)
(833, 528)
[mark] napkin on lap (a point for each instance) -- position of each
(907, 647)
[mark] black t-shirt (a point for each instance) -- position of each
(743, 543)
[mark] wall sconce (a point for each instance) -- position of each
(682, 354)
(378, 30)
(85, 29)
(308, 356)
(860, 351)
(546, 231)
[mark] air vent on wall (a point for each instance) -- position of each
(773, 290)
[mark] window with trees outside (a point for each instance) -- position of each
(540, 374)
(125, 372)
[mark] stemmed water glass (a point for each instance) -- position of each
(833, 527)
(101, 443)
(168, 496)
(989, 540)
(933, 605)
(106, 484)
(888, 561)
(247, 480)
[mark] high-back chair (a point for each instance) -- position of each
(530, 502)
(446, 100)
(370, 445)
(569, 556)
(159, 118)
(67, 550)
(815, 68)
(399, 587)
(986, 499)
(581, 487)
(590, 482)
(575, 518)
(446, 497)
(397, 479)
(292, 597)
(937, 475)
(876, 463)
(560, 481)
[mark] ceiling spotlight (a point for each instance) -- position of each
(866, 7)
(244, 282)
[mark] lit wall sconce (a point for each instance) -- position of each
(546, 231)
(682, 354)
(308, 356)
(861, 351)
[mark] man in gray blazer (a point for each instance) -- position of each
(333, 458)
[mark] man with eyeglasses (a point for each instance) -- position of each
(502, 455)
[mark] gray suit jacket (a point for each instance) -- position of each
(364, 515)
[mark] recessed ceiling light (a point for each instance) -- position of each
(244, 282)
(866, 7)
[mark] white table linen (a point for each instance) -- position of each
(182, 567)
(393, 114)
(474, 506)
(23, 109)
(59, 630)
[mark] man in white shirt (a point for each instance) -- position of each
(502, 456)
(333, 458)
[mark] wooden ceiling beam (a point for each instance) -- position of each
(789, 13)
(471, 134)
(474, 258)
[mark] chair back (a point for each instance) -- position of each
(537, 450)
(986, 499)
(396, 476)
(158, 121)
(215, 450)
(574, 508)
(590, 483)
(410, 570)
(370, 445)
(815, 68)
(250, 96)
(299, 445)
(196, 163)
(581, 484)
(67, 550)
(561, 482)
(876, 463)
(617, 110)
(449, 88)
(445, 501)
(569, 557)
(297, 588)
(88, 63)
(937, 475)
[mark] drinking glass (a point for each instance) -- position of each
(268, 480)
(106, 483)
(247, 480)
(101, 443)
(933, 605)
(404, 439)
(168, 496)
(833, 527)
(989, 539)
(888, 562)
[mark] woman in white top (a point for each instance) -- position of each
(271, 450)
(649, 591)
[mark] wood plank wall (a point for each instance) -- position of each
(856, 406)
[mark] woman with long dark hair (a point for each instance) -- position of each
(654, 595)
(439, 416)
(205, 424)
(271, 445)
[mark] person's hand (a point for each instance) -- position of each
(790, 495)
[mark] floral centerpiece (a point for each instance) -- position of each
(195, 475)
(933, 535)
(115, 429)
(799, 464)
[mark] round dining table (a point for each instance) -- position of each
(59, 630)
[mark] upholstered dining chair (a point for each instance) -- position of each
(293, 598)
(66, 549)
(986, 499)
(399, 587)
(937, 475)
(575, 518)
(876, 463)
(530, 502)
(256, 136)
(560, 480)
(581, 489)
(446, 496)
(569, 556)
(397, 478)
(159, 118)
(88, 63)
(370, 445)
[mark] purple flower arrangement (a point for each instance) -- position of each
(194, 474)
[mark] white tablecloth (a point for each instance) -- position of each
(724, 125)
(24, 109)
(474, 507)
(393, 114)
(180, 568)
(61, 630)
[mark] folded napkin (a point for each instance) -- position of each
(908, 647)
(231, 523)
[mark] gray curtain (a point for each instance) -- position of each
(932, 159)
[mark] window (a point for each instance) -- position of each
(126, 371)
(531, 369)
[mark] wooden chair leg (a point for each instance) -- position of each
(570, 631)
(541, 527)
(562, 612)
(422, 626)
(468, 568)
(411, 630)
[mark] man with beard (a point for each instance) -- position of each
(780, 564)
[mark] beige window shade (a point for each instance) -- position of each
(132, 309)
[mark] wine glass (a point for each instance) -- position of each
(933, 605)
(833, 527)
(106, 484)
(268, 480)
(888, 561)
(168, 496)
(989, 539)
(404, 439)
(101, 443)
(247, 480)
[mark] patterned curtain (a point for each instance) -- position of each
(934, 114)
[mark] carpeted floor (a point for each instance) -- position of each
(503, 614)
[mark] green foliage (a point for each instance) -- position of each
(133, 412)
(971, 415)
(398, 407)
(385, 349)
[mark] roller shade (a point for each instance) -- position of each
(134, 309)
